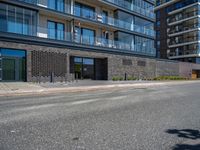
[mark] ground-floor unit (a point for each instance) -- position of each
(43, 63)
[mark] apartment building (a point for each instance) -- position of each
(177, 27)
(45, 40)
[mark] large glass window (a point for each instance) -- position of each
(84, 11)
(51, 30)
(17, 20)
(104, 16)
(52, 4)
(11, 19)
(58, 5)
(144, 4)
(55, 30)
(3, 17)
(87, 36)
(84, 68)
(60, 31)
(144, 23)
(144, 45)
(13, 65)
(124, 40)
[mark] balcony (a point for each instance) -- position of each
(183, 17)
(127, 5)
(183, 30)
(183, 54)
(145, 48)
(183, 4)
(117, 23)
(183, 41)
(160, 2)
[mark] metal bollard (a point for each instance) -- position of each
(52, 77)
(125, 76)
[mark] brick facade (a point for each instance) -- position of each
(42, 61)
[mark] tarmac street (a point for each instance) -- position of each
(164, 117)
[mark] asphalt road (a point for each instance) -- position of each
(154, 118)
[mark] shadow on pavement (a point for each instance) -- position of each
(186, 147)
(187, 134)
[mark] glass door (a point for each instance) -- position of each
(83, 68)
(8, 65)
(12, 65)
(78, 67)
(22, 69)
(88, 68)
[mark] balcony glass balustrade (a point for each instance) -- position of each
(181, 52)
(160, 2)
(96, 17)
(179, 4)
(182, 40)
(127, 5)
(182, 16)
(184, 28)
(145, 48)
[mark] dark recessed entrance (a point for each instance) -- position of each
(88, 68)
(84, 68)
(12, 65)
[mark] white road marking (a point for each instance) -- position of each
(85, 101)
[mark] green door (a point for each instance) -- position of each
(78, 71)
(22, 69)
(8, 65)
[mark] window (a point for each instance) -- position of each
(3, 16)
(56, 5)
(77, 60)
(158, 35)
(124, 41)
(158, 24)
(143, 23)
(158, 14)
(144, 45)
(77, 9)
(11, 19)
(158, 44)
(17, 20)
(84, 11)
(60, 5)
(55, 30)
(105, 35)
(51, 30)
(104, 16)
(86, 36)
(88, 61)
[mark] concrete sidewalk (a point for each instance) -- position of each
(24, 88)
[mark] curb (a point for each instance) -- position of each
(87, 88)
(76, 89)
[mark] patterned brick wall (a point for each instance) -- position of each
(46, 63)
